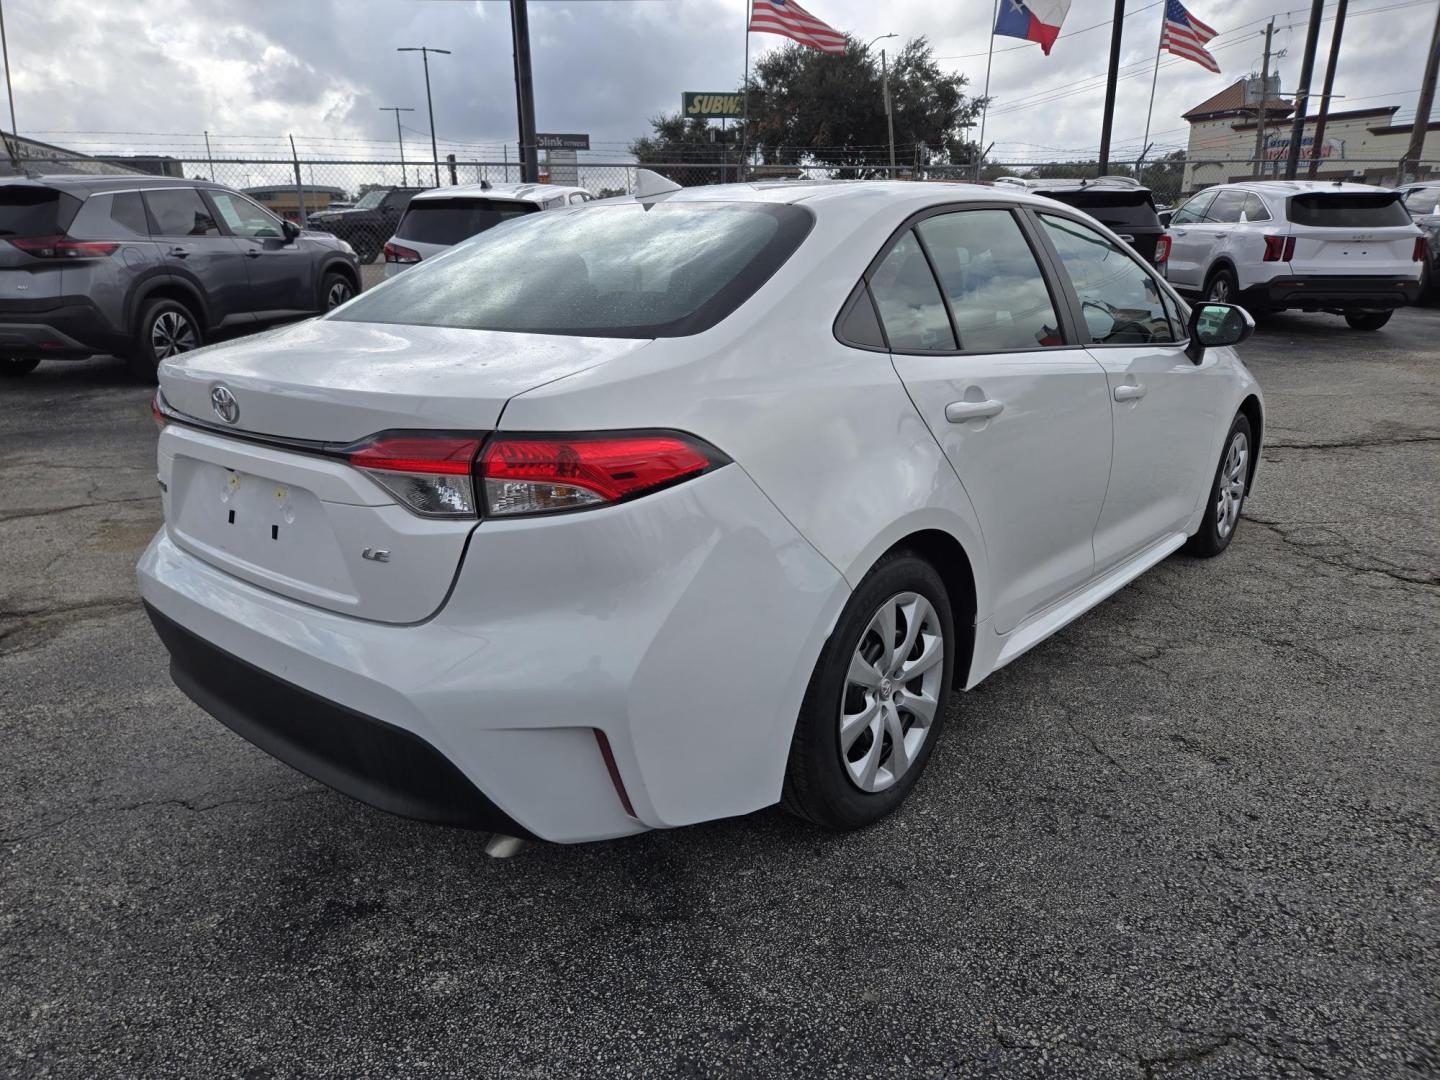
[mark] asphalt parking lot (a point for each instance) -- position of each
(1194, 835)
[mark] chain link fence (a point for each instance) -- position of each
(349, 197)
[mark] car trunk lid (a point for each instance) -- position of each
(271, 498)
(1352, 233)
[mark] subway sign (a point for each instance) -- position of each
(703, 105)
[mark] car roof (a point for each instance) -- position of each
(1299, 187)
(98, 182)
(502, 192)
(920, 193)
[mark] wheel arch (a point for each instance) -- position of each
(952, 562)
(1220, 262)
(335, 264)
(1255, 413)
(168, 288)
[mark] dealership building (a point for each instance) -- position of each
(1359, 144)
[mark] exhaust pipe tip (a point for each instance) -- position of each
(500, 846)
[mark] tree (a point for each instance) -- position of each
(806, 105)
(692, 144)
(1166, 175)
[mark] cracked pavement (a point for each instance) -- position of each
(1193, 835)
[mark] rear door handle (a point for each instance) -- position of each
(179, 252)
(957, 412)
(1130, 391)
(252, 253)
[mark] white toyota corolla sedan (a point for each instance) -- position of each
(667, 509)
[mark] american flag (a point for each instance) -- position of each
(789, 19)
(1184, 35)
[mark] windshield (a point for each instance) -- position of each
(663, 270)
(371, 199)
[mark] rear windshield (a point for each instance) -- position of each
(448, 221)
(626, 270)
(1133, 209)
(1349, 210)
(35, 211)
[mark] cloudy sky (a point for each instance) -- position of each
(113, 74)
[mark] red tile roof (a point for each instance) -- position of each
(1232, 100)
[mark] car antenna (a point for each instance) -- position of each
(650, 187)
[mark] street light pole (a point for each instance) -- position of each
(397, 110)
(425, 51)
(885, 90)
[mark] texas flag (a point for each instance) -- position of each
(1033, 20)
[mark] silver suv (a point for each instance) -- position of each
(147, 267)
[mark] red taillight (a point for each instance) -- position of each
(430, 474)
(1279, 248)
(155, 412)
(62, 247)
(1421, 247)
(1162, 248)
(398, 253)
(533, 475)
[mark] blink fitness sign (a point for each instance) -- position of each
(1278, 146)
(703, 105)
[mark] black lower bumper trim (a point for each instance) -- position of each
(1347, 293)
(357, 755)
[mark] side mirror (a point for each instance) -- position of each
(1217, 324)
(290, 229)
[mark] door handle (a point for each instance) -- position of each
(252, 253)
(957, 412)
(179, 252)
(1130, 391)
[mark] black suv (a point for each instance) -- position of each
(371, 221)
(1117, 202)
(147, 267)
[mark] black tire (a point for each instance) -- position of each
(1215, 533)
(158, 320)
(1368, 320)
(13, 368)
(1222, 281)
(818, 782)
(335, 289)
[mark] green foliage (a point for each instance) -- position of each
(691, 141)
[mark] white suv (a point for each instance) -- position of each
(1349, 249)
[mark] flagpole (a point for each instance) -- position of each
(745, 107)
(985, 109)
(1145, 142)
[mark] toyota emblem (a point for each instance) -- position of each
(224, 404)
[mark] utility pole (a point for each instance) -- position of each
(425, 51)
(1116, 29)
(1416, 149)
(1318, 143)
(399, 138)
(1302, 95)
(889, 112)
(12, 144)
(1258, 168)
(524, 92)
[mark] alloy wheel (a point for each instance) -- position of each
(1220, 290)
(337, 294)
(891, 691)
(171, 333)
(1231, 488)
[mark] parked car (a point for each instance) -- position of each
(442, 217)
(1422, 201)
(368, 224)
(148, 266)
(1311, 245)
(1116, 201)
(687, 504)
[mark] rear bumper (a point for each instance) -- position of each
(683, 627)
(67, 331)
(1321, 292)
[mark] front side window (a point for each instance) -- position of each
(243, 218)
(627, 270)
(909, 300)
(180, 212)
(1195, 209)
(1120, 298)
(448, 221)
(993, 283)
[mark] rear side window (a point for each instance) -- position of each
(1226, 208)
(1254, 210)
(448, 221)
(27, 210)
(1119, 297)
(909, 300)
(992, 281)
(180, 212)
(627, 270)
(1348, 210)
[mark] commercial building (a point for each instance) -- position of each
(1359, 144)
